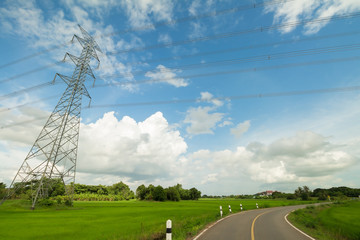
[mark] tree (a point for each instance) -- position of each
(172, 194)
(303, 193)
(57, 187)
(149, 192)
(122, 190)
(194, 194)
(159, 194)
(141, 192)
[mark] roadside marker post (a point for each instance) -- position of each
(220, 211)
(257, 206)
(229, 209)
(241, 207)
(168, 230)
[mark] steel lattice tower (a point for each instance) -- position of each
(54, 153)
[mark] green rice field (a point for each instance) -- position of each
(118, 220)
(338, 221)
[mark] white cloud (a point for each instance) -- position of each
(312, 10)
(141, 11)
(197, 30)
(240, 129)
(210, 178)
(201, 120)
(149, 150)
(225, 123)
(24, 134)
(197, 6)
(143, 150)
(166, 75)
(296, 160)
(152, 151)
(208, 97)
(28, 21)
(164, 38)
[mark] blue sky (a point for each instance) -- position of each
(212, 53)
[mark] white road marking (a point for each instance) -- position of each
(297, 228)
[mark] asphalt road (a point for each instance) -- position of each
(261, 224)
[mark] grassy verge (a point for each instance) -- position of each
(117, 220)
(338, 221)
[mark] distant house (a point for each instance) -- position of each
(264, 194)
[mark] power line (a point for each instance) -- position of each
(159, 24)
(29, 103)
(22, 122)
(238, 97)
(192, 100)
(31, 71)
(265, 57)
(35, 54)
(190, 55)
(256, 69)
(200, 75)
(237, 33)
(237, 71)
(29, 89)
(244, 48)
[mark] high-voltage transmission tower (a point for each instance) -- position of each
(53, 156)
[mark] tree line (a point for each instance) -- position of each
(304, 193)
(175, 193)
(121, 191)
(116, 192)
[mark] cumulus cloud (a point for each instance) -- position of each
(312, 10)
(166, 75)
(301, 158)
(138, 150)
(240, 129)
(201, 120)
(151, 151)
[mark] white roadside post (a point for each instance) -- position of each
(168, 230)
(220, 211)
(257, 206)
(240, 207)
(229, 209)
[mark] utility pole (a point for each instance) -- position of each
(53, 155)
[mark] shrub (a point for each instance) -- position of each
(46, 202)
(58, 199)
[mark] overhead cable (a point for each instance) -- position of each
(225, 98)
(158, 24)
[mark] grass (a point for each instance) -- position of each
(117, 220)
(338, 221)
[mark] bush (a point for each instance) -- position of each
(58, 199)
(322, 196)
(46, 202)
(291, 196)
(68, 202)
